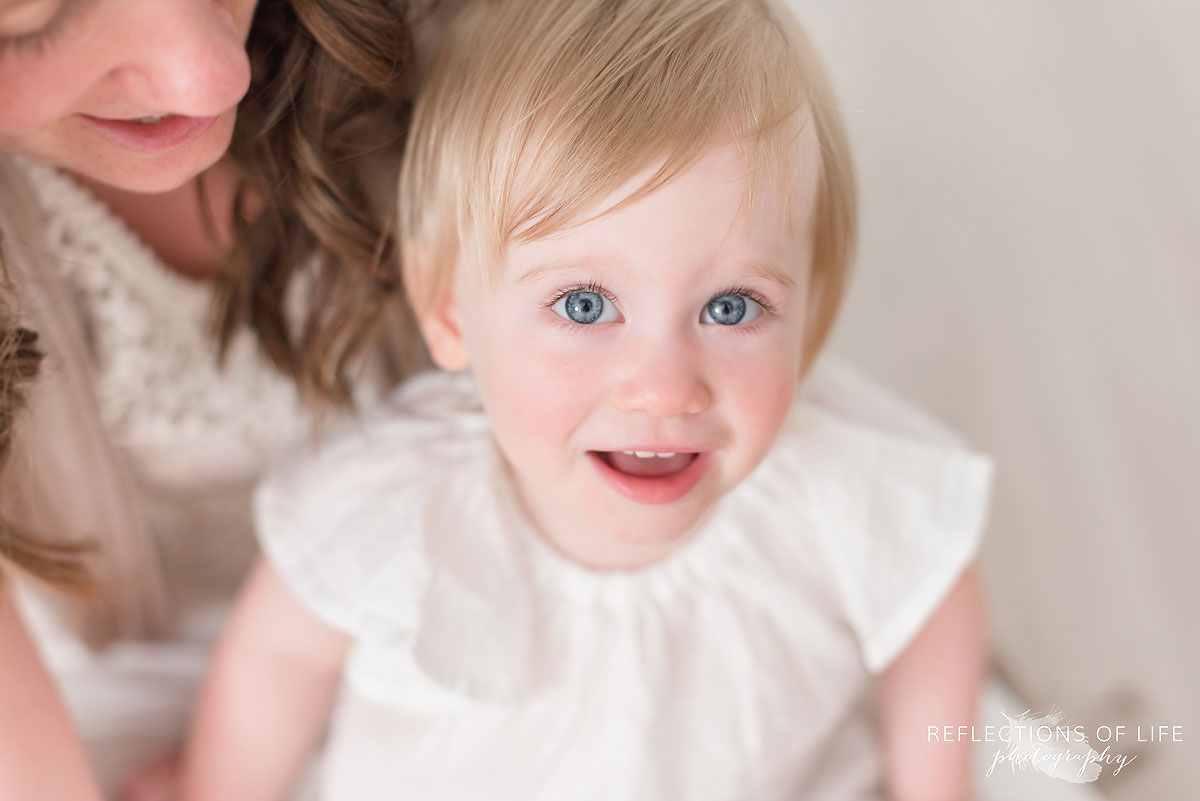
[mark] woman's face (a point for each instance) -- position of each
(85, 85)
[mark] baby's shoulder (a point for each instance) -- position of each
(848, 437)
(342, 518)
(891, 500)
(413, 435)
(846, 393)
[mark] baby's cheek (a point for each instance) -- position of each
(537, 398)
(758, 389)
(767, 396)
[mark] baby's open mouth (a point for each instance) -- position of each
(646, 464)
(652, 476)
(657, 476)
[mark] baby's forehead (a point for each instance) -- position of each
(727, 207)
(762, 180)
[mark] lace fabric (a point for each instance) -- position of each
(158, 382)
(196, 435)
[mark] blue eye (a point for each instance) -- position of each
(731, 309)
(585, 308)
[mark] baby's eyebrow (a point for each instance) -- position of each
(535, 273)
(541, 270)
(767, 270)
(770, 271)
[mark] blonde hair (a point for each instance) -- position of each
(535, 110)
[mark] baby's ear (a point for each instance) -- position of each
(443, 334)
(435, 306)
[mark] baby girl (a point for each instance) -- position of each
(630, 542)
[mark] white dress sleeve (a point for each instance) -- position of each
(902, 507)
(392, 532)
(343, 521)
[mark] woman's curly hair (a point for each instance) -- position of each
(326, 113)
(324, 121)
(58, 564)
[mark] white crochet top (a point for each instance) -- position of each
(196, 434)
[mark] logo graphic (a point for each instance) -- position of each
(1043, 744)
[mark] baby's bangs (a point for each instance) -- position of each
(626, 86)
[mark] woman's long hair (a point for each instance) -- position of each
(325, 115)
(56, 563)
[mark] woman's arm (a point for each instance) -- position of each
(935, 682)
(267, 697)
(41, 755)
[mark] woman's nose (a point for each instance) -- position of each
(180, 56)
(664, 380)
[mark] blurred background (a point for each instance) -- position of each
(1030, 273)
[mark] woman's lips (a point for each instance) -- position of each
(168, 133)
(654, 480)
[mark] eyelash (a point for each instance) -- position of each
(747, 292)
(592, 286)
(38, 41)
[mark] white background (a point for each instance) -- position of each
(1030, 272)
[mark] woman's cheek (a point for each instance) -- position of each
(28, 99)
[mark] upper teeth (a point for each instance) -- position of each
(648, 454)
(147, 120)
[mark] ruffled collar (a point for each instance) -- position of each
(491, 572)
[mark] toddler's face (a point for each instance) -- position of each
(636, 367)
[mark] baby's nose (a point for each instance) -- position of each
(664, 384)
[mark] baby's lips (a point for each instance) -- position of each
(652, 480)
(641, 465)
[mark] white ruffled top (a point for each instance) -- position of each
(486, 665)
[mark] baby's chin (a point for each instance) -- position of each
(646, 543)
(606, 531)
(635, 544)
